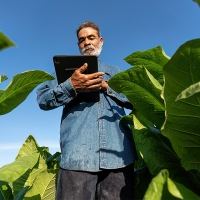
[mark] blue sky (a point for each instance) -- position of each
(42, 29)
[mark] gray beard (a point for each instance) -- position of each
(96, 50)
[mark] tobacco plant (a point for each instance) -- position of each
(16, 178)
(165, 93)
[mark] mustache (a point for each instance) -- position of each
(88, 47)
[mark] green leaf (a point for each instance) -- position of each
(21, 194)
(153, 59)
(154, 145)
(19, 167)
(3, 78)
(178, 190)
(197, 1)
(29, 147)
(173, 189)
(143, 119)
(18, 172)
(44, 187)
(191, 90)
(53, 161)
(30, 169)
(155, 189)
(127, 119)
(158, 154)
(182, 123)
(5, 191)
(5, 42)
(143, 91)
(20, 87)
(55, 156)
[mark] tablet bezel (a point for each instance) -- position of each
(65, 65)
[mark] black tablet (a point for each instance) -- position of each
(65, 65)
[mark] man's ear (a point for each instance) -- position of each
(101, 40)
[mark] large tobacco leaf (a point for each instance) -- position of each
(17, 173)
(30, 147)
(40, 173)
(44, 187)
(143, 91)
(153, 59)
(18, 168)
(158, 154)
(43, 177)
(153, 144)
(20, 87)
(162, 187)
(182, 123)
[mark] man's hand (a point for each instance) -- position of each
(87, 82)
(104, 85)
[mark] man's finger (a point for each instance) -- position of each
(82, 68)
(94, 87)
(95, 75)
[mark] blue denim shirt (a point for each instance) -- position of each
(91, 135)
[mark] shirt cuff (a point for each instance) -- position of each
(68, 88)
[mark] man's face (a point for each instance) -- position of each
(89, 42)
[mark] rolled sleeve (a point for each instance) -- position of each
(51, 95)
(69, 89)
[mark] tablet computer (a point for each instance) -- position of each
(65, 65)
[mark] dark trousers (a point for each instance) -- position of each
(107, 185)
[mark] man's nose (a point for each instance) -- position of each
(87, 42)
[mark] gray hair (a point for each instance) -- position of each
(88, 24)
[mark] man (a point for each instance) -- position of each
(98, 151)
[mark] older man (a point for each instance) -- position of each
(98, 151)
